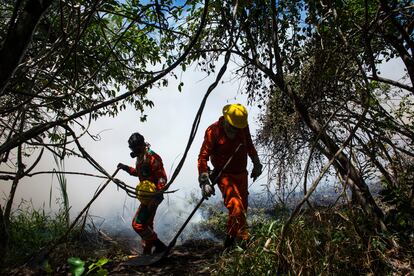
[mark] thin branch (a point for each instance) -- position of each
(35, 131)
(392, 82)
(318, 179)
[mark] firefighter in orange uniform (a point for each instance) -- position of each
(221, 140)
(149, 169)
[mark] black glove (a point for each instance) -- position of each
(207, 189)
(123, 167)
(257, 168)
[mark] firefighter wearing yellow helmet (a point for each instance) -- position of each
(220, 142)
(236, 115)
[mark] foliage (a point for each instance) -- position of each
(399, 197)
(313, 66)
(318, 243)
(31, 229)
(333, 90)
(96, 268)
(63, 188)
(215, 220)
(77, 267)
(87, 53)
(81, 62)
(65, 64)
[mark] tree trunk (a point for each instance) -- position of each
(4, 240)
(18, 38)
(7, 210)
(365, 198)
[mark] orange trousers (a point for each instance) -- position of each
(143, 224)
(233, 187)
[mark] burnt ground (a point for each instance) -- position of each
(194, 257)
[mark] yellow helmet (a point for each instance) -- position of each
(145, 190)
(236, 115)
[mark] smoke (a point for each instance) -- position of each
(170, 217)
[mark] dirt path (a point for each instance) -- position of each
(194, 257)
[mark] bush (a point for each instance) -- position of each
(33, 229)
(30, 230)
(325, 242)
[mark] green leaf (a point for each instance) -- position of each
(180, 86)
(102, 272)
(75, 261)
(98, 265)
(270, 227)
(102, 261)
(76, 265)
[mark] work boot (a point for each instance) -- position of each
(159, 246)
(147, 247)
(147, 250)
(228, 242)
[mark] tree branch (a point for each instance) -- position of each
(35, 131)
(19, 37)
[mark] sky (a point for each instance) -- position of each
(167, 129)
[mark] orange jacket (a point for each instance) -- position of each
(150, 168)
(219, 148)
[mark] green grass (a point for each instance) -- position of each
(63, 187)
(31, 229)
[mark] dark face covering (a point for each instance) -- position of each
(230, 130)
(137, 152)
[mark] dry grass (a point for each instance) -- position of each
(322, 243)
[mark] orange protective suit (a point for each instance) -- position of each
(149, 168)
(233, 180)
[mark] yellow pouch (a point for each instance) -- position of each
(145, 191)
